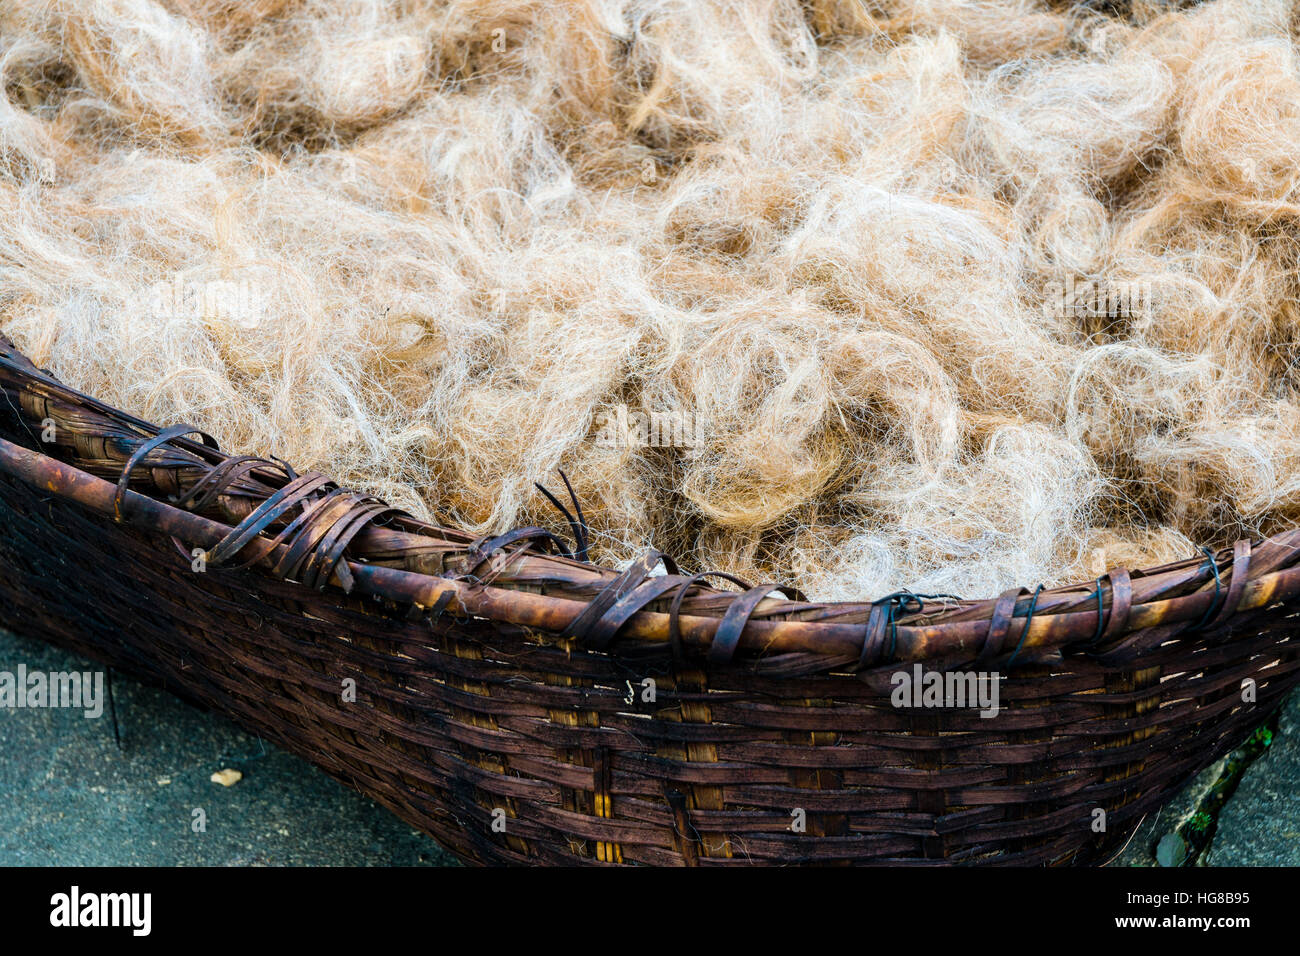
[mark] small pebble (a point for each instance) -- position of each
(227, 777)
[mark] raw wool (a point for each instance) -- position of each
(845, 256)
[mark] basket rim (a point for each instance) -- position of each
(1118, 616)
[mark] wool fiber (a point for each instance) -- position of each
(953, 295)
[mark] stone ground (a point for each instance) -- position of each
(1242, 811)
(70, 797)
(1260, 826)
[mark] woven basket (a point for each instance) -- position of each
(522, 705)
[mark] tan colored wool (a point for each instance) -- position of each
(436, 248)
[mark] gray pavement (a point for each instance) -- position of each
(69, 796)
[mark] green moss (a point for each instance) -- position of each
(1198, 832)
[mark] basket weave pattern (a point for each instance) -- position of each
(524, 706)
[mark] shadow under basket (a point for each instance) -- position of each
(523, 705)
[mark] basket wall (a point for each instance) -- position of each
(456, 719)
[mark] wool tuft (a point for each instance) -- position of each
(954, 296)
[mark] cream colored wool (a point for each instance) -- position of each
(434, 248)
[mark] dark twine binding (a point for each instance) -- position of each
(882, 624)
